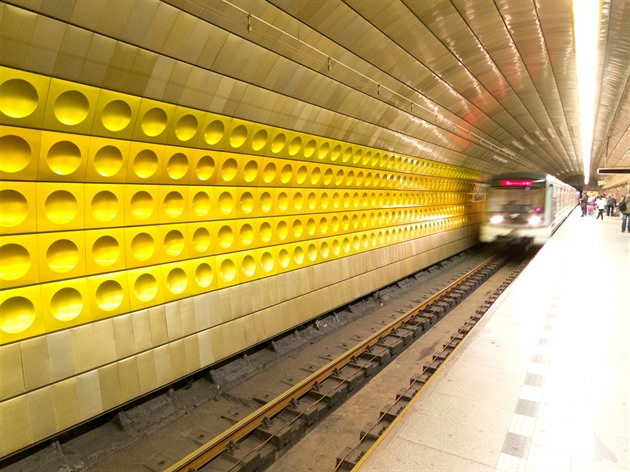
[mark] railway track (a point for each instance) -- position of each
(255, 441)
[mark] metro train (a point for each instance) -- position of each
(526, 206)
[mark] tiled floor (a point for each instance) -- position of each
(543, 383)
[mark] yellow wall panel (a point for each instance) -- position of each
(187, 126)
(146, 287)
(270, 172)
(214, 131)
(205, 275)
(18, 207)
(173, 242)
(108, 294)
(145, 162)
(177, 279)
(224, 236)
(260, 139)
(23, 97)
(65, 304)
(115, 114)
(61, 255)
(238, 135)
(248, 199)
(201, 202)
(202, 239)
(172, 203)
(154, 121)
(70, 107)
(60, 206)
(20, 314)
(204, 167)
(104, 205)
(141, 205)
(228, 270)
(19, 153)
(176, 165)
(107, 160)
(141, 246)
(63, 157)
(105, 250)
(18, 261)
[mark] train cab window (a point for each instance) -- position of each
(516, 200)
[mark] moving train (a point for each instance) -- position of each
(526, 206)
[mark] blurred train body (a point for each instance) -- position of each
(526, 206)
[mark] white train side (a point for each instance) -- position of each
(526, 205)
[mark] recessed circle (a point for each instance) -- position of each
(227, 271)
(250, 171)
(14, 208)
(267, 262)
(142, 247)
(266, 202)
(154, 122)
(145, 164)
(174, 243)
(177, 166)
(294, 146)
(204, 275)
(173, 204)
(238, 136)
(116, 116)
(17, 314)
(269, 173)
(109, 295)
(201, 240)
(176, 281)
(18, 98)
(142, 205)
(15, 262)
(309, 148)
(205, 168)
(66, 304)
(104, 206)
(62, 256)
(61, 207)
(259, 141)
(108, 161)
(229, 170)
(186, 127)
(145, 288)
(248, 266)
(298, 255)
(278, 143)
(283, 258)
(214, 132)
(201, 204)
(246, 234)
(16, 153)
(71, 107)
(246, 203)
(226, 237)
(105, 251)
(226, 203)
(64, 157)
(265, 232)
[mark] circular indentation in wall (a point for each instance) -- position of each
(286, 174)
(105, 251)
(201, 240)
(64, 157)
(298, 201)
(145, 288)
(323, 151)
(311, 199)
(298, 255)
(15, 262)
(282, 201)
(347, 155)
(311, 252)
(246, 203)
(142, 247)
(154, 122)
(316, 175)
(283, 258)
(174, 243)
(248, 266)
(229, 170)
(357, 156)
(177, 166)
(66, 304)
(301, 175)
(259, 141)
(227, 270)
(145, 164)
(250, 171)
(16, 153)
(309, 148)
(269, 172)
(282, 230)
(311, 226)
(201, 204)
(336, 248)
(266, 202)
(17, 314)
(205, 168)
(265, 232)
(339, 178)
(108, 161)
(266, 262)
(226, 237)
(214, 132)
(325, 201)
(109, 295)
(18, 98)
(116, 116)
(174, 204)
(186, 127)
(238, 136)
(328, 176)
(204, 275)
(141, 204)
(226, 203)
(61, 207)
(297, 228)
(294, 146)
(14, 208)
(323, 225)
(62, 256)
(71, 108)
(278, 143)
(335, 153)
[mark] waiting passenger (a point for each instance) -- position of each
(624, 209)
(584, 203)
(611, 203)
(600, 203)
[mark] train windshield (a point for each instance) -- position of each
(516, 200)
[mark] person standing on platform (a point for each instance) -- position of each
(624, 209)
(611, 203)
(584, 203)
(600, 204)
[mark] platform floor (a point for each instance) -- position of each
(542, 383)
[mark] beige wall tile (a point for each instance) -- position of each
(123, 336)
(11, 377)
(35, 362)
(141, 330)
(83, 347)
(147, 376)
(60, 355)
(66, 401)
(157, 318)
(41, 406)
(109, 380)
(15, 424)
(163, 367)
(89, 389)
(129, 379)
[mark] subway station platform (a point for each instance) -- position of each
(542, 383)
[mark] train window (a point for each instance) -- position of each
(516, 200)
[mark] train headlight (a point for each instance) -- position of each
(535, 220)
(496, 219)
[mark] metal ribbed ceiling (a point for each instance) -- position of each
(489, 85)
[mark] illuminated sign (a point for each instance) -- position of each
(516, 183)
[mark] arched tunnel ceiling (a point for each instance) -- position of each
(489, 85)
